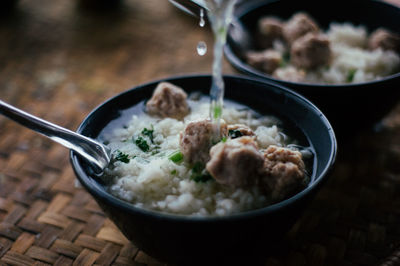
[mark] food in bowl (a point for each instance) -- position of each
(299, 51)
(166, 159)
(177, 239)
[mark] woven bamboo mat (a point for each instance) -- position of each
(59, 61)
(45, 218)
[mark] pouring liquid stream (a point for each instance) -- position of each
(201, 46)
(202, 22)
(220, 13)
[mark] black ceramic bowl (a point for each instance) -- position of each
(189, 240)
(349, 106)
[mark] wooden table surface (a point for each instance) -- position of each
(61, 58)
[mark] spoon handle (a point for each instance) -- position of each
(97, 154)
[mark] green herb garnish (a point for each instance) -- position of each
(174, 172)
(142, 144)
(202, 178)
(223, 139)
(176, 156)
(198, 168)
(156, 150)
(217, 111)
(350, 75)
(148, 133)
(221, 31)
(122, 157)
(235, 133)
(199, 174)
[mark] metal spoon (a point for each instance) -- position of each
(97, 155)
(238, 35)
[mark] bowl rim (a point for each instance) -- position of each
(244, 67)
(84, 178)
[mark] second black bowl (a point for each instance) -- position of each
(349, 107)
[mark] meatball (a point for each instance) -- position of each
(311, 51)
(239, 130)
(236, 163)
(168, 100)
(269, 30)
(267, 61)
(385, 40)
(284, 172)
(299, 25)
(197, 139)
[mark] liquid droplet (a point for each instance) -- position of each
(201, 48)
(202, 22)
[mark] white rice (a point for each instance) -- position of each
(351, 62)
(153, 181)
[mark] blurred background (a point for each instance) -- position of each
(52, 49)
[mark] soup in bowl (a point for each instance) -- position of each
(179, 211)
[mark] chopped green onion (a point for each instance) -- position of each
(199, 174)
(122, 157)
(202, 178)
(224, 139)
(156, 150)
(142, 144)
(217, 111)
(235, 133)
(350, 75)
(198, 168)
(176, 156)
(174, 172)
(148, 133)
(221, 31)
